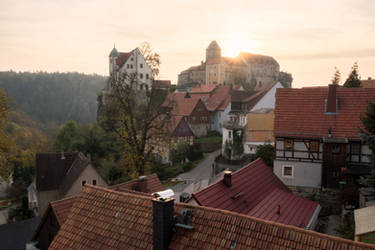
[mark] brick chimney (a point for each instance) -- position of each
(163, 222)
(142, 184)
(228, 178)
(332, 99)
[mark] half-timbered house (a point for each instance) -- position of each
(317, 135)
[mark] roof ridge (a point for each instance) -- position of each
(87, 187)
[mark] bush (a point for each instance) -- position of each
(178, 154)
(187, 166)
(267, 153)
(194, 153)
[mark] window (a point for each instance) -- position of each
(193, 118)
(141, 87)
(229, 134)
(288, 144)
(127, 66)
(314, 146)
(141, 65)
(146, 76)
(94, 182)
(288, 171)
(131, 59)
(141, 75)
(335, 149)
(83, 183)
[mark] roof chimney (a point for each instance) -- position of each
(332, 99)
(142, 183)
(163, 221)
(228, 178)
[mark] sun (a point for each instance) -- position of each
(232, 46)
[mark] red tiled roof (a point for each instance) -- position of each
(153, 185)
(182, 105)
(203, 88)
(123, 58)
(106, 219)
(62, 207)
(368, 83)
(253, 197)
(220, 99)
(301, 112)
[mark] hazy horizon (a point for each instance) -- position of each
(308, 39)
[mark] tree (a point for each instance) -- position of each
(66, 137)
(237, 148)
(267, 153)
(179, 153)
(152, 58)
(354, 80)
(133, 114)
(336, 77)
(6, 144)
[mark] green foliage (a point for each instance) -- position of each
(54, 98)
(165, 171)
(179, 153)
(65, 141)
(354, 80)
(267, 153)
(285, 79)
(346, 227)
(194, 153)
(237, 148)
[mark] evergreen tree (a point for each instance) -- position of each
(336, 77)
(354, 80)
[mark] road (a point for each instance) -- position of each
(197, 178)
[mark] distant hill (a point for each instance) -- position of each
(54, 98)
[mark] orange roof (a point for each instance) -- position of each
(123, 58)
(220, 99)
(301, 112)
(182, 103)
(107, 219)
(203, 88)
(153, 185)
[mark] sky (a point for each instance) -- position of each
(308, 38)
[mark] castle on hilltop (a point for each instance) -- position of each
(261, 71)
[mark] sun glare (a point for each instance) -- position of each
(233, 46)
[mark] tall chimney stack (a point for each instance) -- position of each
(228, 178)
(332, 99)
(163, 221)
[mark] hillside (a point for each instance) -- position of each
(52, 99)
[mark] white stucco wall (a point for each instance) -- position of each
(268, 100)
(218, 118)
(305, 174)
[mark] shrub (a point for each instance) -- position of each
(187, 166)
(194, 153)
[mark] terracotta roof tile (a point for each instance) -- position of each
(106, 219)
(182, 105)
(123, 58)
(301, 112)
(258, 197)
(203, 88)
(153, 185)
(62, 207)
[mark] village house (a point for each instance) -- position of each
(264, 197)
(259, 130)
(192, 109)
(317, 136)
(61, 175)
(107, 219)
(57, 212)
(175, 131)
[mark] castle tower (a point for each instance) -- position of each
(112, 60)
(213, 51)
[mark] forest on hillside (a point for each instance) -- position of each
(52, 99)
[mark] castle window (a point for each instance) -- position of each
(141, 65)
(146, 76)
(141, 75)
